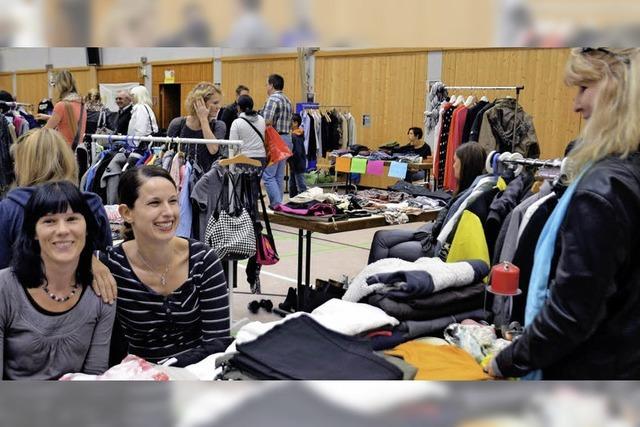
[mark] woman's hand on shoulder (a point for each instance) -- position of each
(104, 285)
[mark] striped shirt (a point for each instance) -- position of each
(277, 109)
(196, 314)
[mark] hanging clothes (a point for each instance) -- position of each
(441, 150)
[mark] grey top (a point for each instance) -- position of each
(38, 346)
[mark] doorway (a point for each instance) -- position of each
(169, 103)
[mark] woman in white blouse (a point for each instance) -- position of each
(143, 120)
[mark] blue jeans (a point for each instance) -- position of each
(273, 177)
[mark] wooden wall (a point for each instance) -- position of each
(32, 86)
(253, 72)
(541, 71)
(119, 74)
(387, 86)
(6, 82)
(187, 74)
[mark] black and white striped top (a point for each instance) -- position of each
(158, 327)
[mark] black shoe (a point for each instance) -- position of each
(254, 306)
(290, 303)
(266, 304)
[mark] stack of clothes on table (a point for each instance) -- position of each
(426, 295)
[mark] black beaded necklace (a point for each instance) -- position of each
(56, 298)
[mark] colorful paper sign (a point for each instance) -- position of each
(398, 170)
(343, 164)
(358, 165)
(375, 167)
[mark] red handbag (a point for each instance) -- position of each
(277, 149)
(266, 252)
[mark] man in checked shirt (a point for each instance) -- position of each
(277, 113)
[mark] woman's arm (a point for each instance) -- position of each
(97, 360)
(104, 284)
(56, 116)
(214, 302)
(203, 116)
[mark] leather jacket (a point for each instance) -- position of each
(589, 327)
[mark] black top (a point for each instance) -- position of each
(423, 151)
(228, 115)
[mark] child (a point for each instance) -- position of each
(297, 162)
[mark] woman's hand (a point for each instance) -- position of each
(202, 111)
(41, 116)
(104, 285)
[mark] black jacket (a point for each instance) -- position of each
(589, 327)
(123, 119)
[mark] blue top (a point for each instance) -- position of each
(12, 215)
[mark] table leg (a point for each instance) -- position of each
(300, 257)
(307, 275)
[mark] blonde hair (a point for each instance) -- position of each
(65, 83)
(204, 90)
(43, 155)
(614, 125)
(93, 95)
(140, 95)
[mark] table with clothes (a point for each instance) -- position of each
(330, 213)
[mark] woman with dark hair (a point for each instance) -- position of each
(249, 127)
(172, 298)
(408, 245)
(415, 147)
(51, 321)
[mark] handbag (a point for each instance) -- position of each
(275, 146)
(231, 235)
(266, 253)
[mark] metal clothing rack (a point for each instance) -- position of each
(15, 104)
(233, 145)
(554, 163)
(517, 89)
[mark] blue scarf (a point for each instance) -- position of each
(545, 249)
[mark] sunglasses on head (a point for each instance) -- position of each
(623, 59)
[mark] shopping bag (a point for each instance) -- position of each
(266, 253)
(230, 232)
(277, 149)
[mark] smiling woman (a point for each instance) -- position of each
(48, 286)
(172, 294)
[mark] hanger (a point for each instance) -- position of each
(470, 101)
(240, 159)
(484, 98)
(452, 99)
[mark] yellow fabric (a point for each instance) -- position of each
(501, 184)
(469, 242)
(439, 362)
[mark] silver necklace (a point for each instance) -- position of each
(163, 276)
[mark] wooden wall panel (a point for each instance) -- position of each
(254, 72)
(388, 87)
(84, 81)
(6, 82)
(188, 74)
(32, 87)
(541, 71)
(119, 74)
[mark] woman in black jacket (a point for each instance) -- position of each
(589, 324)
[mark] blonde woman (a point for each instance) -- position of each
(202, 104)
(69, 116)
(143, 119)
(586, 258)
(41, 156)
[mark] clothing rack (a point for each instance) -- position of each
(15, 104)
(553, 163)
(233, 145)
(517, 89)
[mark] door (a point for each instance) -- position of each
(169, 103)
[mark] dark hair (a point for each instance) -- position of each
(245, 103)
(277, 81)
(416, 131)
(129, 188)
(296, 118)
(52, 198)
(7, 97)
(240, 88)
(472, 157)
